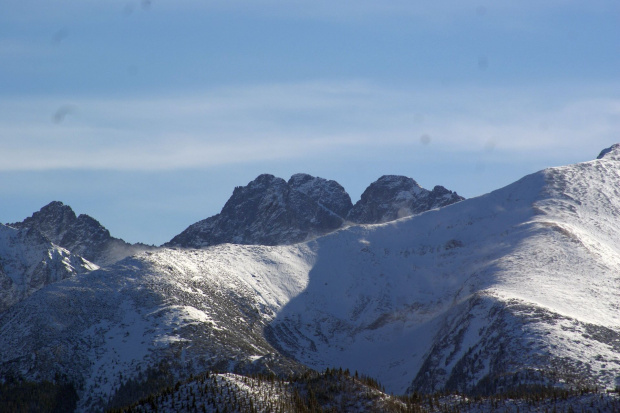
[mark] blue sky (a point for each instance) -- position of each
(146, 114)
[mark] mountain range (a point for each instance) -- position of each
(82, 235)
(419, 289)
(271, 211)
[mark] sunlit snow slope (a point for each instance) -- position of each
(192, 310)
(517, 286)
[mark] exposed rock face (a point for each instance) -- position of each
(329, 194)
(28, 262)
(82, 235)
(268, 211)
(271, 211)
(392, 197)
(613, 152)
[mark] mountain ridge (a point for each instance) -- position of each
(271, 211)
(511, 289)
(80, 234)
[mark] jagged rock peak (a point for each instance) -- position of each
(396, 196)
(266, 211)
(399, 182)
(271, 211)
(51, 220)
(60, 224)
(82, 235)
(264, 180)
(613, 152)
(327, 193)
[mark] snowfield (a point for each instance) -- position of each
(519, 286)
(520, 283)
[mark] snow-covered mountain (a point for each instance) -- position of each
(271, 211)
(179, 311)
(28, 262)
(516, 287)
(82, 235)
(393, 196)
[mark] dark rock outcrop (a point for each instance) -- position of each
(612, 152)
(269, 211)
(393, 196)
(82, 235)
(329, 194)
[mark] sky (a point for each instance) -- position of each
(146, 114)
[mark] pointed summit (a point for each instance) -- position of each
(52, 220)
(394, 196)
(613, 152)
(82, 235)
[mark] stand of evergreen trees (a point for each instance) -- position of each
(17, 396)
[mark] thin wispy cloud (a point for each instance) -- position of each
(296, 121)
(357, 8)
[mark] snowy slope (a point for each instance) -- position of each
(520, 284)
(29, 261)
(193, 310)
(517, 286)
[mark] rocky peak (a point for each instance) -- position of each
(327, 193)
(82, 235)
(271, 211)
(395, 196)
(262, 193)
(613, 152)
(52, 220)
(266, 211)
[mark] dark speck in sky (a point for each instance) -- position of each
(61, 113)
(59, 36)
